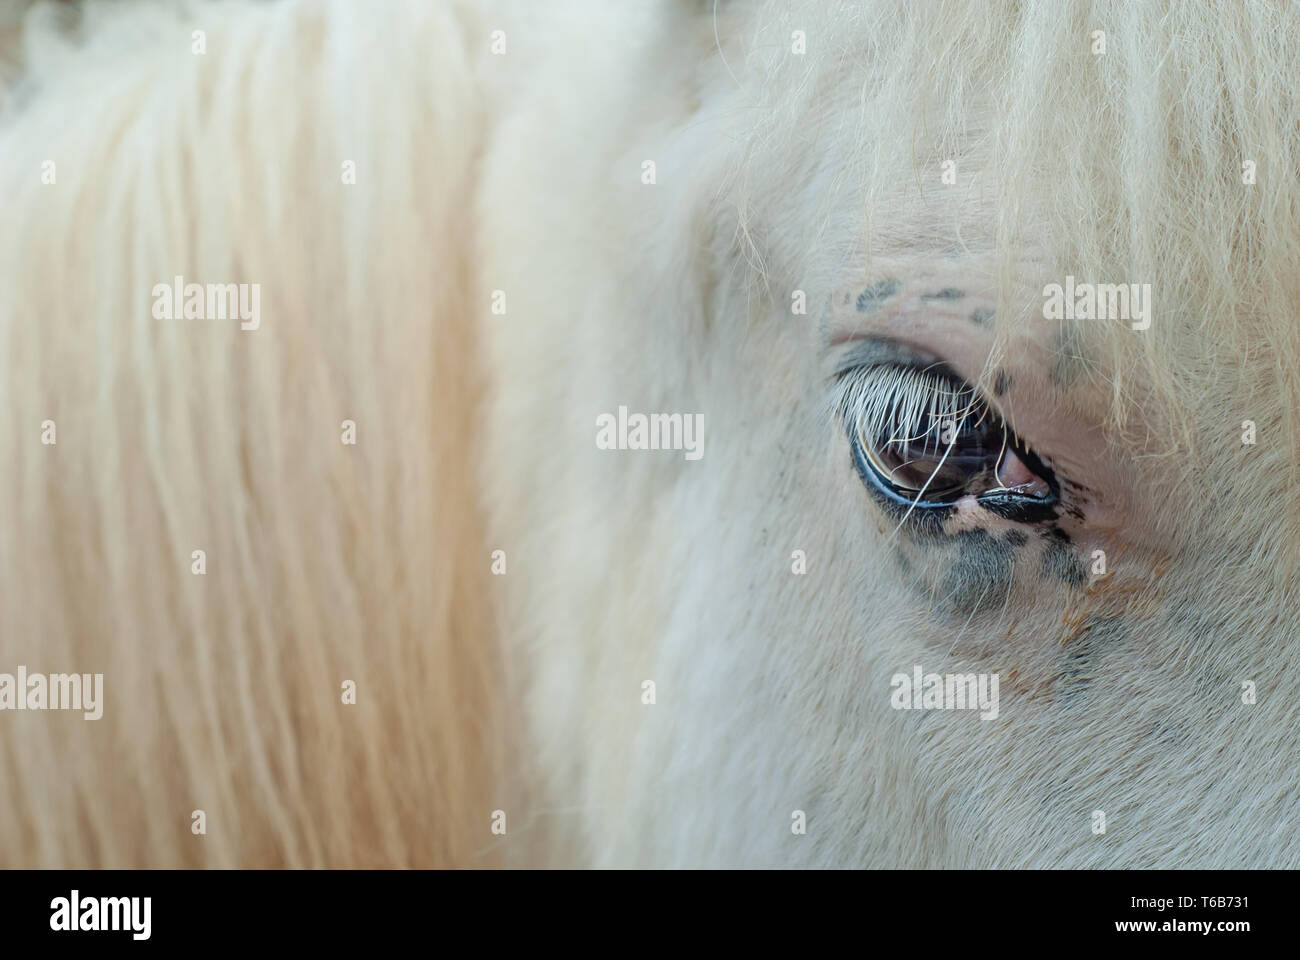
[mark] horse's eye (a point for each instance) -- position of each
(922, 436)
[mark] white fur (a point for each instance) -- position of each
(772, 688)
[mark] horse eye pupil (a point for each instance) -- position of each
(943, 460)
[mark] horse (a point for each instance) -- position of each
(971, 561)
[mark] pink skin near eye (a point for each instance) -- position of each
(1015, 476)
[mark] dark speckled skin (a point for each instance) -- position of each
(979, 576)
(1068, 357)
(1061, 563)
(870, 299)
(1098, 635)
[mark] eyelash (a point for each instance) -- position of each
(887, 408)
(896, 400)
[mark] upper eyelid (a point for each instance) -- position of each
(866, 352)
(871, 351)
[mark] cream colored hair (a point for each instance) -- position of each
(325, 562)
(328, 562)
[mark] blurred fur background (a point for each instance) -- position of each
(325, 562)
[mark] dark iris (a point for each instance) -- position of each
(942, 456)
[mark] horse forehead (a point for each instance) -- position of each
(946, 292)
